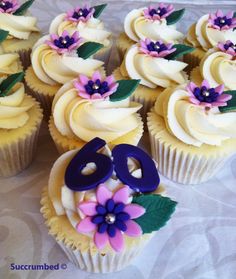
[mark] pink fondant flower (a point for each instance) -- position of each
(64, 43)
(80, 14)
(110, 217)
(96, 87)
(9, 6)
(222, 22)
(228, 47)
(206, 96)
(159, 12)
(156, 49)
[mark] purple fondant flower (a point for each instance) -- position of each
(207, 96)
(228, 47)
(96, 87)
(156, 49)
(65, 42)
(159, 12)
(80, 14)
(9, 6)
(110, 216)
(222, 22)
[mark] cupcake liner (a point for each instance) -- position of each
(104, 54)
(193, 59)
(64, 143)
(195, 76)
(44, 93)
(183, 163)
(101, 263)
(17, 154)
(123, 43)
(25, 58)
(81, 251)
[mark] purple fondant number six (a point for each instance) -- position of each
(77, 181)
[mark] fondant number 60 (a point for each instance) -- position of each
(77, 181)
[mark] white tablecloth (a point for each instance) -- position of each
(198, 243)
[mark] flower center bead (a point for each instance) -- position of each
(110, 218)
(98, 86)
(64, 42)
(206, 95)
(223, 21)
(159, 11)
(80, 13)
(6, 5)
(156, 47)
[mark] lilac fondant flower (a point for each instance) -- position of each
(9, 6)
(65, 42)
(159, 12)
(80, 14)
(207, 96)
(110, 217)
(95, 88)
(222, 22)
(156, 49)
(228, 47)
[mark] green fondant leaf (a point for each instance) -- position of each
(124, 90)
(3, 35)
(231, 104)
(180, 51)
(98, 10)
(158, 211)
(175, 16)
(234, 14)
(88, 49)
(23, 8)
(9, 82)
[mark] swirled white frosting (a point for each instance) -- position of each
(19, 27)
(51, 67)
(154, 71)
(75, 117)
(92, 30)
(218, 68)
(9, 64)
(193, 124)
(14, 108)
(201, 34)
(137, 27)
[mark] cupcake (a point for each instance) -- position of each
(100, 209)
(155, 64)
(97, 106)
(85, 20)
(218, 66)
(23, 32)
(57, 60)
(20, 120)
(9, 62)
(207, 32)
(153, 22)
(192, 131)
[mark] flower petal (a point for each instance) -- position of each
(100, 239)
(219, 89)
(83, 79)
(85, 225)
(96, 76)
(133, 229)
(88, 208)
(117, 242)
(121, 195)
(103, 194)
(206, 84)
(134, 210)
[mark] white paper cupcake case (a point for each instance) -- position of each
(182, 166)
(17, 156)
(102, 263)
